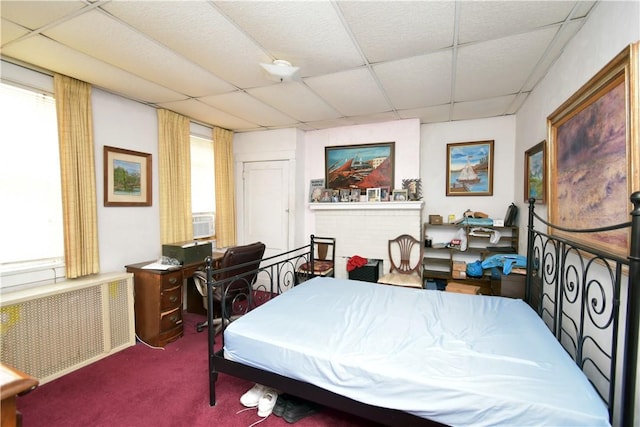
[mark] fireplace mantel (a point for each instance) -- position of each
(366, 206)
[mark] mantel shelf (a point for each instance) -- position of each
(417, 205)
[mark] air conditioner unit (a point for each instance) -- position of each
(204, 225)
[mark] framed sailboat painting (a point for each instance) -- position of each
(470, 168)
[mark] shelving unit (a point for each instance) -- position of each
(438, 262)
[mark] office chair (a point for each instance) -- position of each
(241, 261)
(406, 270)
(321, 259)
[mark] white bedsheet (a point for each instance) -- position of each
(454, 358)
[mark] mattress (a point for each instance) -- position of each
(454, 358)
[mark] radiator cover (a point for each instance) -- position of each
(53, 330)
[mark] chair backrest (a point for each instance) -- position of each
(247, 258)
(324, 248)
(402, 247)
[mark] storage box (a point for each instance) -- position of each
(459, 270)
(512, 285)
(463, 288)
(370, 272)
(435, 219)
(189, 252)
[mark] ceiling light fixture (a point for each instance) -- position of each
(281, 70)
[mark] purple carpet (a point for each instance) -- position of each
(141, 386)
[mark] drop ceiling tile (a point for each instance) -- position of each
(388, 30)
(308, 34)
(10, 32)
(418, 81)
(295, 100)
(201, 34)
(108, 40)
(435, 114)
(486, 20)
(50, 55)
(484, 108)
(498, 67)
(517, 102)
(350, 92)
(241, 105)
(36, 14)
(565, 33)
(329, 124)
(375, 118)
(584, 7)
(206, 114)
(228, 40)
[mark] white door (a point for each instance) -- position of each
(266, 204)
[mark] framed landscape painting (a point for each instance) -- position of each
(360, 166)
(594, 155)
(470, 168)
(127, 177)
(535, 166)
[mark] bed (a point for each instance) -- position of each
(400, 356)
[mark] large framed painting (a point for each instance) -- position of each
(360, 166)
(127, 177)
(470, 168)
(594, 154)
(535, 175)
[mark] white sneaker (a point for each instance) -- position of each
(251, 398)
(267, 402)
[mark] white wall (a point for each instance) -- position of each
(126, 235)
(405, 134)
(434, 140)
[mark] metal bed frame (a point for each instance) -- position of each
(578, 291)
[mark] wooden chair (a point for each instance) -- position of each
(237, 261)
(321, 259)
(405, 255)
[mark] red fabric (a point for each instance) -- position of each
(356, 262)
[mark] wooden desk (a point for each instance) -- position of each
(158, 296)
(157, 303)
(13, 383)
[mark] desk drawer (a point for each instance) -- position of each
(170, 319)
(171, 280)
(170, 298)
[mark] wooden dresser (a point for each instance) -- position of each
(158, 304)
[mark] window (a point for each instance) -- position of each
(203, 196)
(32, 247)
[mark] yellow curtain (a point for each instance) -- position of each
(225, 188)
(174, 165)
(77, 169)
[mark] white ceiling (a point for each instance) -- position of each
(360, 61)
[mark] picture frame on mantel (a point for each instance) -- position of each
(127, 177)
(360, 166)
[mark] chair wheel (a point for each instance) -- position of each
(199, 328)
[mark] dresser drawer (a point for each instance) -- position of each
(171, 280)
(170, 298)
(170, 319)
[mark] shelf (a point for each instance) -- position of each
(366, 206)
(437, 263)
